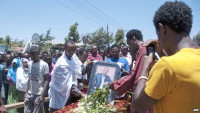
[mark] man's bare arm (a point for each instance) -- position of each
(46, 84)
(142, 101)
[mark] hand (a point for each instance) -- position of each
(155, 42)
(124, 71)
(10, 80)
(41, 98)
(111, 86)
(26, 69)
(148, 61)
(3, 109)
(83, 95)
(150, 41)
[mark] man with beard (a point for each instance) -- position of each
(64, 78)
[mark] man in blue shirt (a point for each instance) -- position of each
(121, 61)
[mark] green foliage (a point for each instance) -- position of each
(197, 38)
(47, 47)
(119, 36)
(73, 34)
(20, 43)
(8, 40)
(95, 103)
(41, 37)
(101, 38)
(2, 41)
(11, 44)
(47, 36)
(12, 97)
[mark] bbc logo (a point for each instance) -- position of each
(195, 110)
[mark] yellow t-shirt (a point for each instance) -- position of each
(175, 82)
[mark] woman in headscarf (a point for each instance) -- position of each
(21, 81)
(22, 76)
(11, 76)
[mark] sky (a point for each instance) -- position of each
(22, 18)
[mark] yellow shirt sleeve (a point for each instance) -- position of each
(160, 81)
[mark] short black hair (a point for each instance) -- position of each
(136, 33)
(49, 56)
(176, 15)
(82, 50)
(69, 41)
(114, 45)
(45, 52)
(125, 46)
(8, 52)
(122, 43)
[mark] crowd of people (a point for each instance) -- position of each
(28, 77)
(167, 84)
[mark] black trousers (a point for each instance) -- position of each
(6, 88)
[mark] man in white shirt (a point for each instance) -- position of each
(64, 78)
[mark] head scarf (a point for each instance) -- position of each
(12, 71)
(24, 59)
(22, 77)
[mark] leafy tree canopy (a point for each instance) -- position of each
(73, 33)
(119, 36)
(99, 37)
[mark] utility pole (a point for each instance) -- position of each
(107, 35)
(107, 29)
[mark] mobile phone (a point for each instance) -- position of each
(151, 49)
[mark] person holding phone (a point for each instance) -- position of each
(172, 84)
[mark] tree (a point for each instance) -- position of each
(73, 34)
(8, 40)
(47, 47)
(47, 36)
(119, 36)
(2, 41)
(197, 38)
(41, 37)
(45, 44)
(101, 38)
(20, 43)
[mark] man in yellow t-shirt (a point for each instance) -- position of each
(173, 83)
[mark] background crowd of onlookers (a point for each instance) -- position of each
(14, 67)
